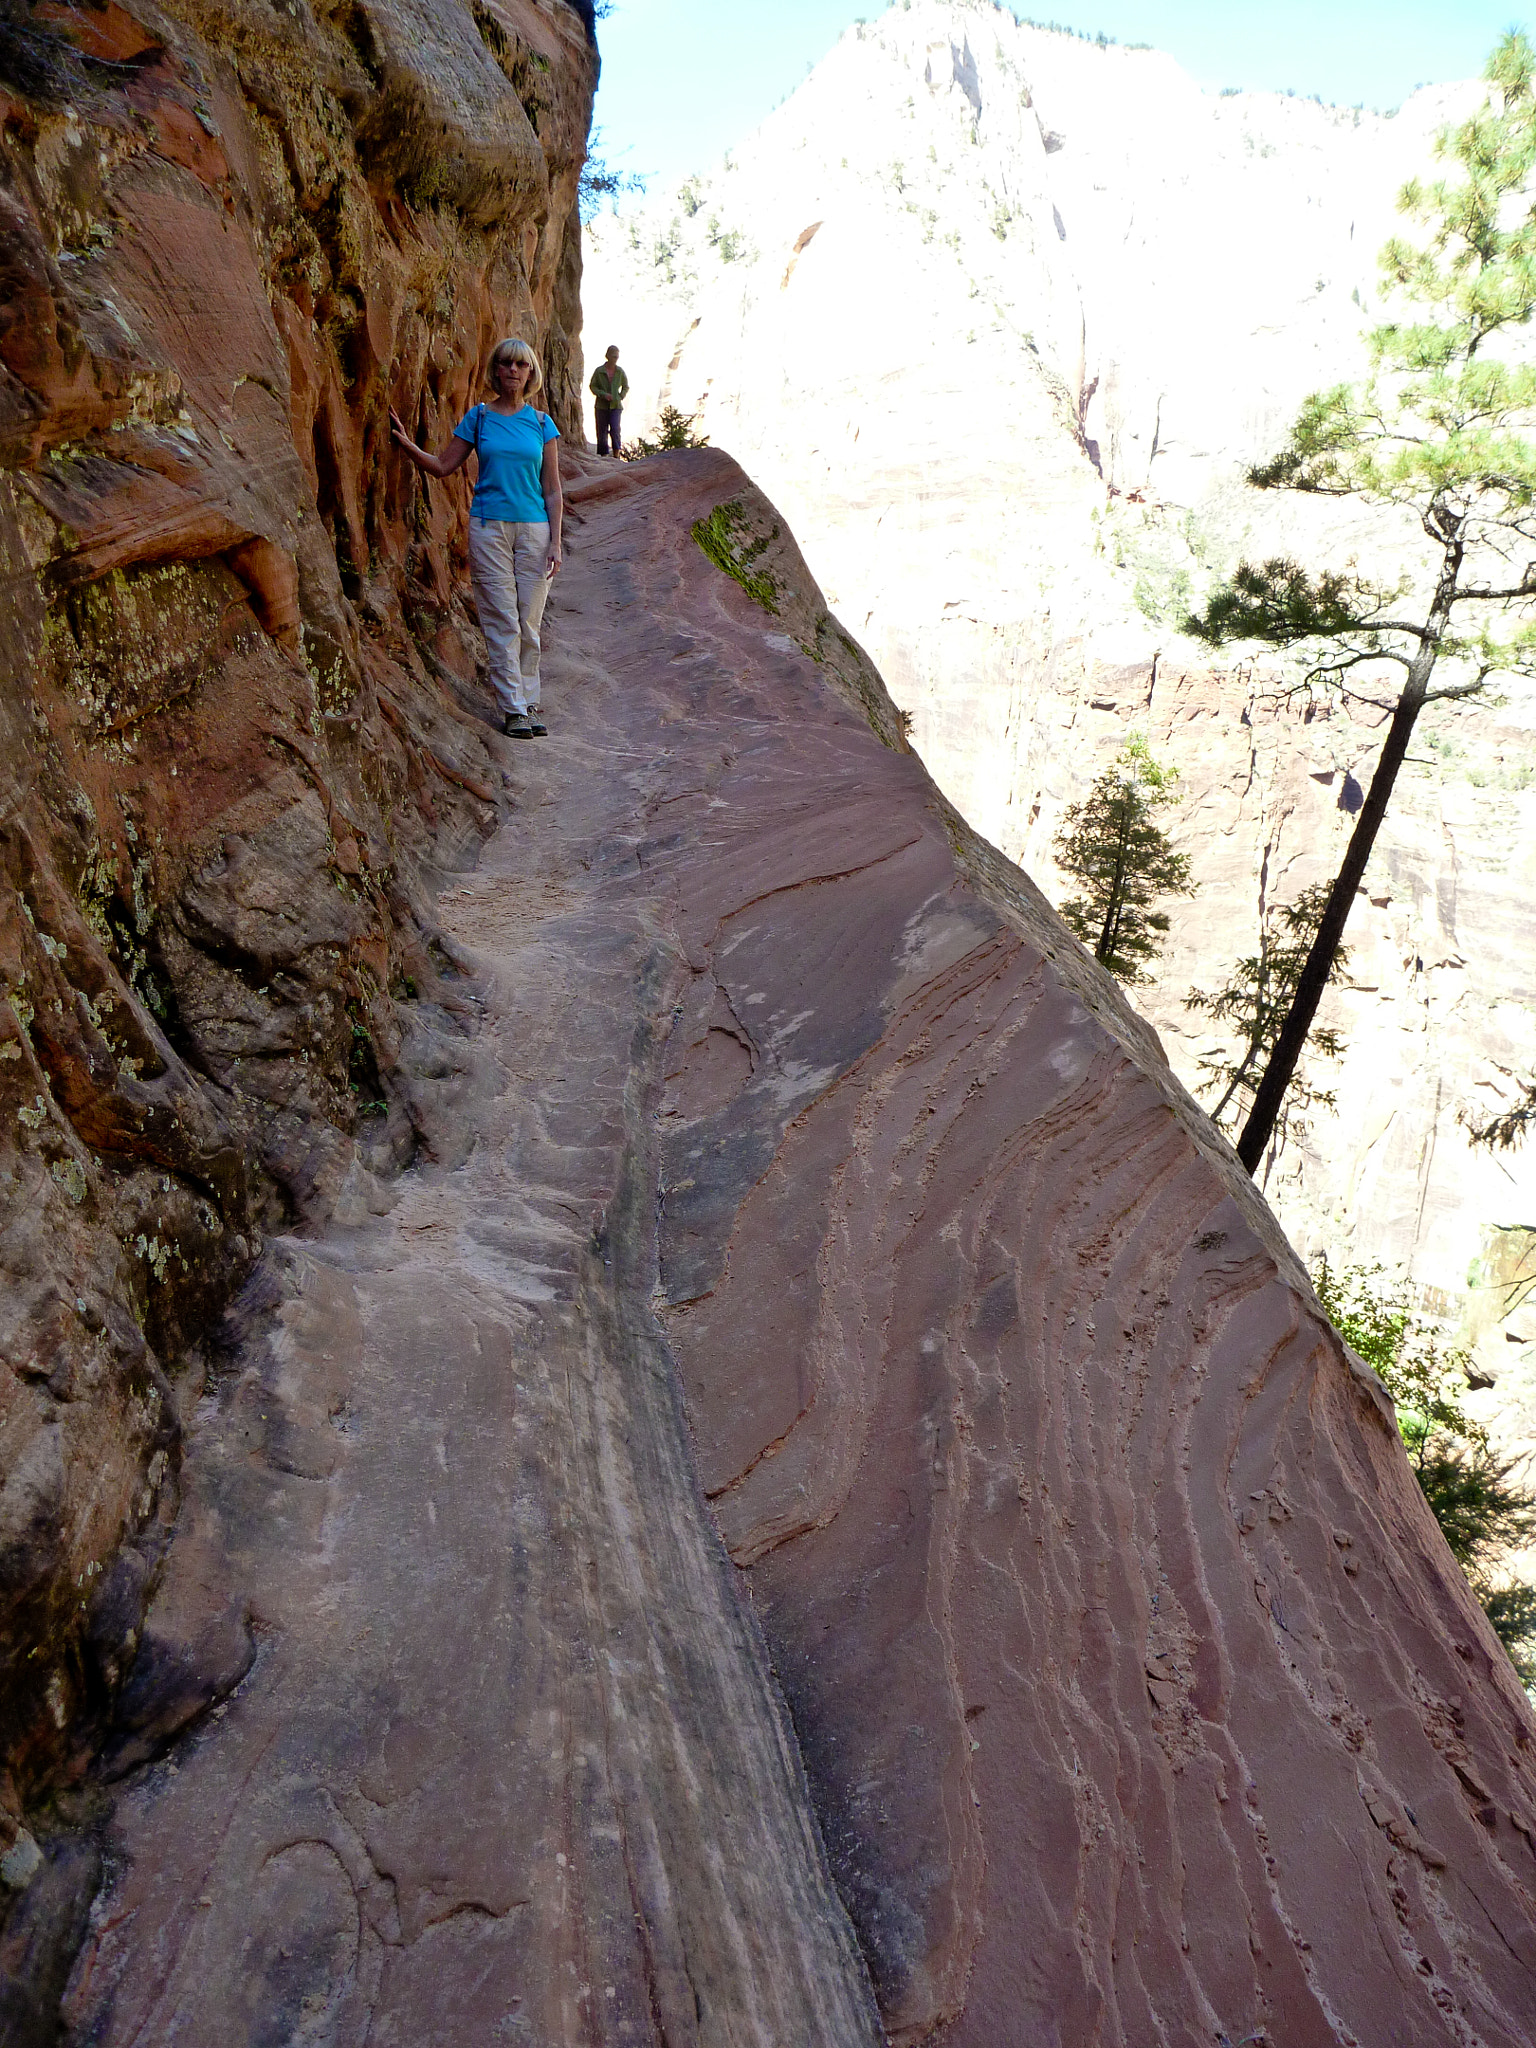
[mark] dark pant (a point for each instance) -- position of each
(608, 426)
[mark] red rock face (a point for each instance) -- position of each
(1082, 1599)
(1079, 1663)
(1138, 1693)
(232, 638)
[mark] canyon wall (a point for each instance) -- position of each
(233, 659)
(999, 317)
(637, 1409)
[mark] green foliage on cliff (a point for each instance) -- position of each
(1113, 847)
(726, 537)
(1484, 1508)
(1256, 1001)
(1503, 1132)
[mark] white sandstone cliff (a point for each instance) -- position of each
(999, 318)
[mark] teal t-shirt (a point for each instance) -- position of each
(511, 451)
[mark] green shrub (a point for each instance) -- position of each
(674, 430)
(1484, 1509)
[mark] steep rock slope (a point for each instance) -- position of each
(998, 317)
(230, 738)
(1131, 1685)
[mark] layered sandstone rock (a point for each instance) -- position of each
(1077, 1617)
(767, 1478)
(999, 317)
(232, 746)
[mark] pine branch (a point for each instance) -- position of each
(1509, 1128)
(1281, 603)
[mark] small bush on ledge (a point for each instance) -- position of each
(674, 430)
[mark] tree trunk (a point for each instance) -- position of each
(1237, 1079)
(1261, 1019)
(1259, 1128)
(1109, 936)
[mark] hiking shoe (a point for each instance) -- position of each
(516, 727)
(536, 724)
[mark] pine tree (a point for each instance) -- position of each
(1113, 847)
(1438, 429)
(596, 182)
(1257, 1000)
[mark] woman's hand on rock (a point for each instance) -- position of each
(398, 433)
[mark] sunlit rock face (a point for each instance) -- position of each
(231, 749)
(1000, 317)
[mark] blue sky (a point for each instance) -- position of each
(684, 79)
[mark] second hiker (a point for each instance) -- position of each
(609, 387)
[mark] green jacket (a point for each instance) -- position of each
(609, 387)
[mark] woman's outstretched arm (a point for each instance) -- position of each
(453, 457)
(554, 505)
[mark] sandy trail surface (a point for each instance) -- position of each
(508, 1765)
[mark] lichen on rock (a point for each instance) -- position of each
(238, 720)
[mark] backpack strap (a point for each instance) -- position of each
(542, 418)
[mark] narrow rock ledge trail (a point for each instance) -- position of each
(833, 1514)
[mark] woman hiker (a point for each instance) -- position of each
(514, 523)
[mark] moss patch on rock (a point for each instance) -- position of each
(726, 537)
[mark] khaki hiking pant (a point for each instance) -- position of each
(506, 562)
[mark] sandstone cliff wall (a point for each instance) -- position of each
(998, 317)
(768, 1479)
(233, 654)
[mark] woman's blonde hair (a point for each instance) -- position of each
(514, 350)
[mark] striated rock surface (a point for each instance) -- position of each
(1083, 1623)
(232, 751)
(636, 1409)
(998, 317)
